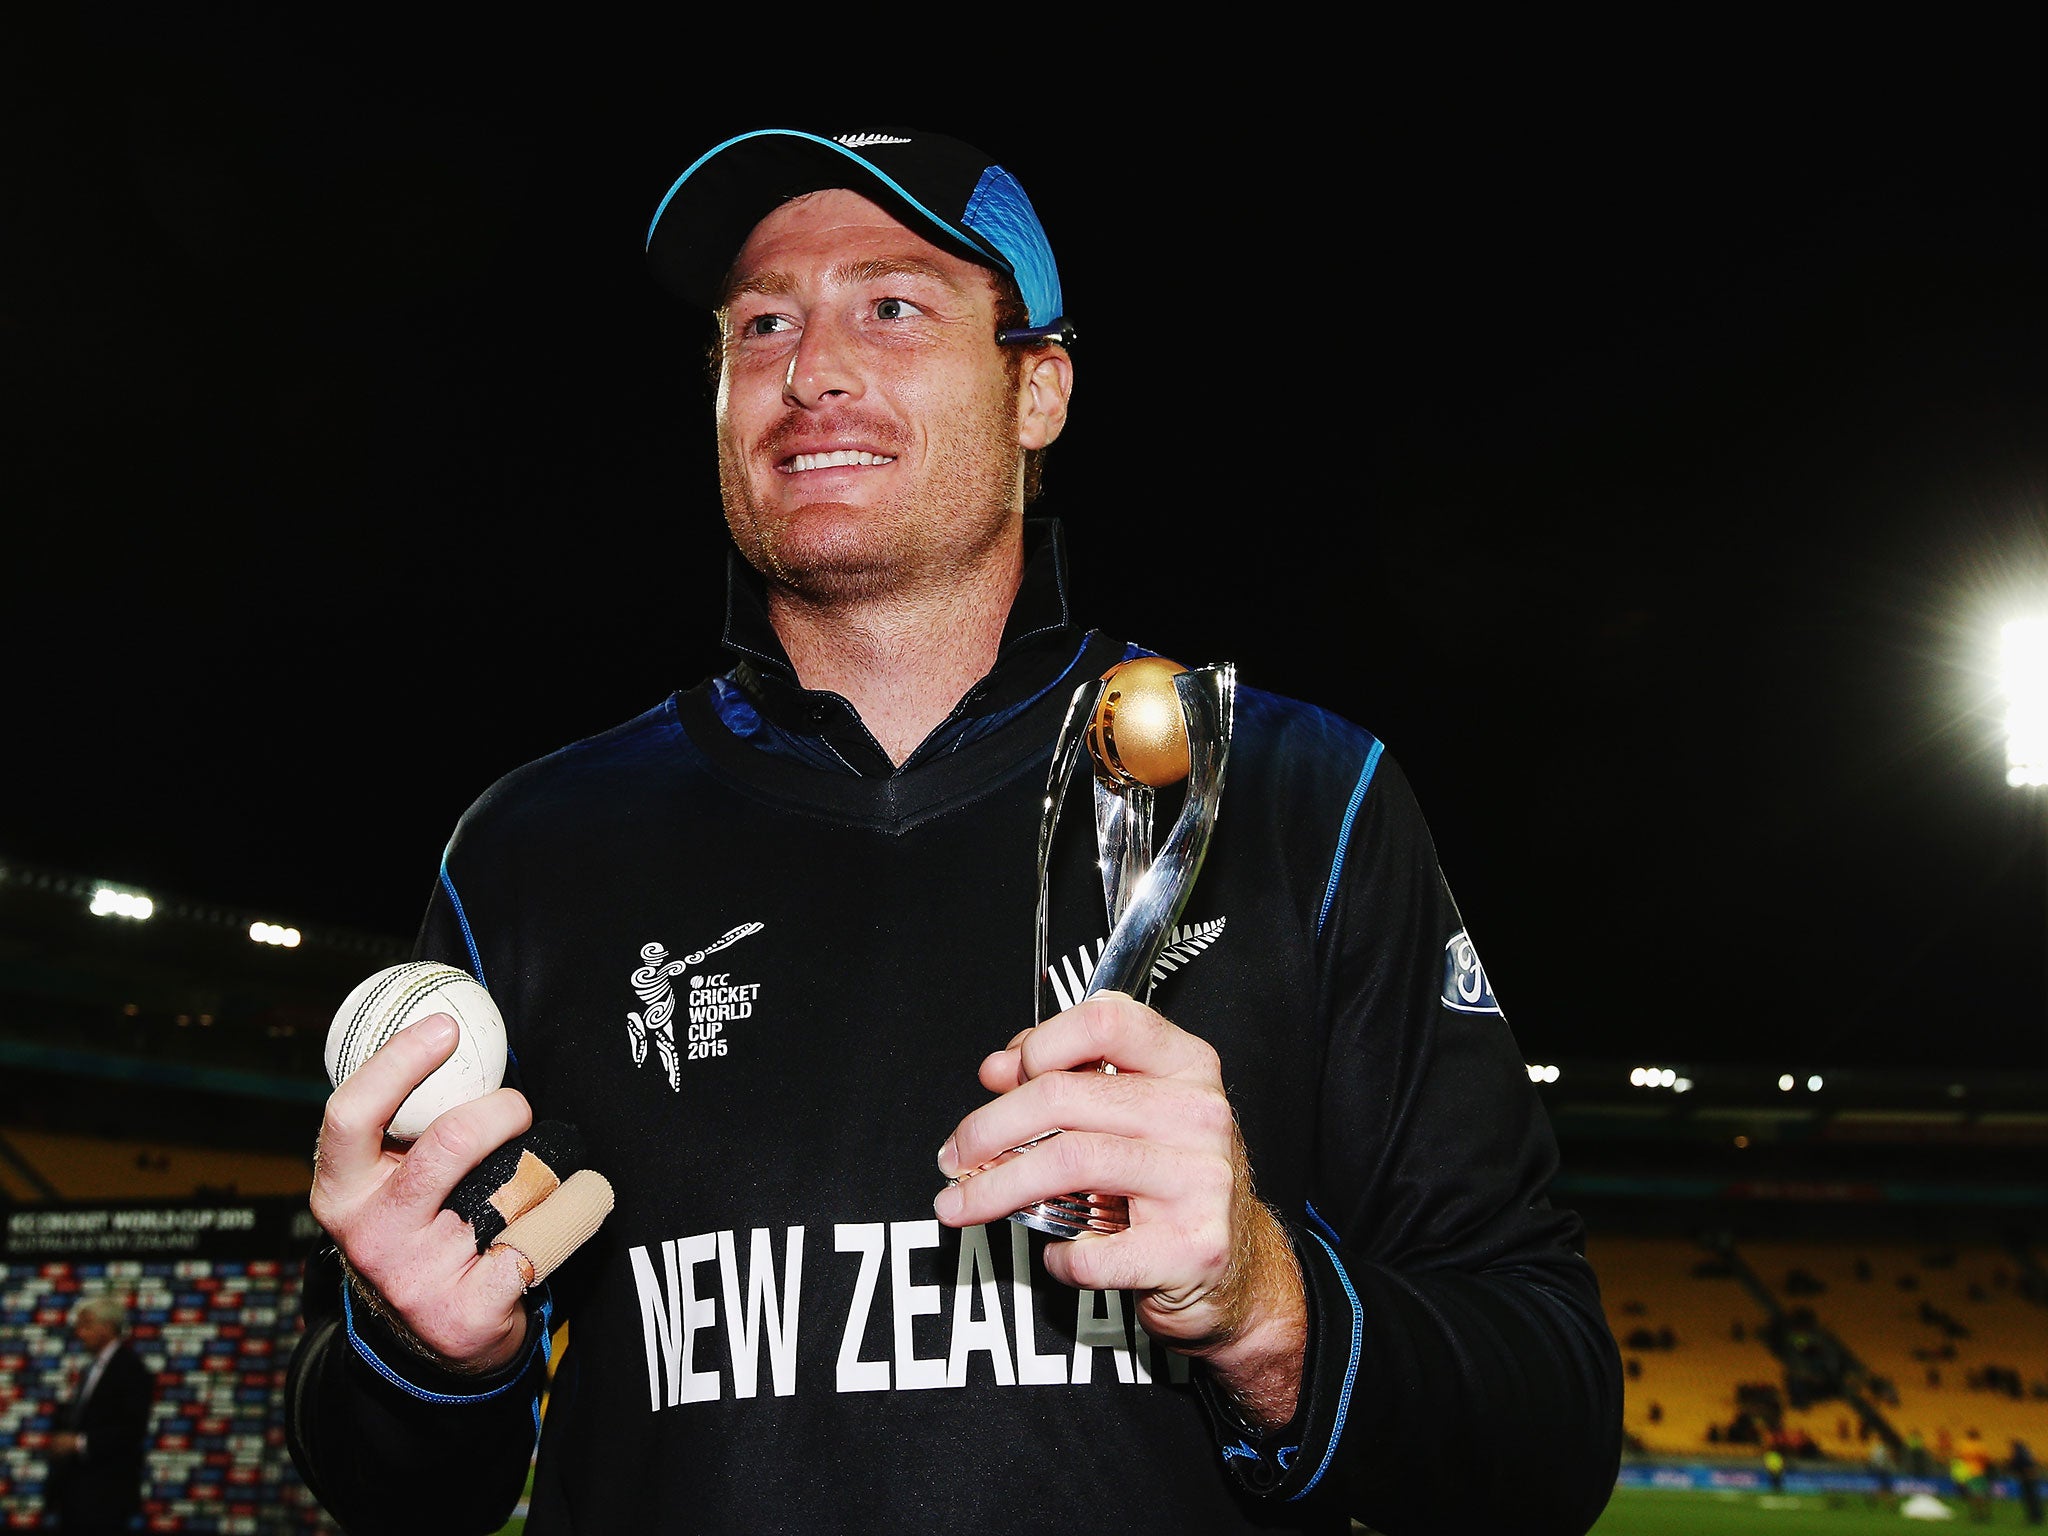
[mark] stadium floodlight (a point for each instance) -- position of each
(2023, 673)
(1813, 1083)
(274, 933)
(109, 902)
(1786, 1083)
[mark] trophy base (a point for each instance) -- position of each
(1076, 1216)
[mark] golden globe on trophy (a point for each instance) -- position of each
(1147, 723)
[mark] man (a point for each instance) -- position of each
(811, 883)
(2026, 1474)
(1971, 1470)
(1881, 1463)
(95, 1483)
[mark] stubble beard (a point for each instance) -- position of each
(836, 552)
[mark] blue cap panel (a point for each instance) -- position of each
(1003, 216)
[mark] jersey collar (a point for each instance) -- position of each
(763, 700)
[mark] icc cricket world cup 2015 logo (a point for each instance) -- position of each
(655, 1027)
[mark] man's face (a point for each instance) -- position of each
(868, 423)
(92, 1333)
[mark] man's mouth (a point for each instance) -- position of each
(839, 458)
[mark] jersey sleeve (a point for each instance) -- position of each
(1461, 1376)
(389, 1442)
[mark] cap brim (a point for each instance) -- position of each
(713, 207)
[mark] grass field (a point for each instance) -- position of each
(1664, 1512)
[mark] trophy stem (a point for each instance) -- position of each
(1123, 838)
(1066, 750)
(1144, 895)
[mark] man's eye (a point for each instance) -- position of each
(763, 325)
(895, 309)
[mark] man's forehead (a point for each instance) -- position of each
(847, 236)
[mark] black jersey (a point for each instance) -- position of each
(760, 979)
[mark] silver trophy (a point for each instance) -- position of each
(1146, 723)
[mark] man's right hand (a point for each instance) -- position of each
(381, 1202)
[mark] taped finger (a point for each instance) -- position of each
(545, 1236)
(516, 1178)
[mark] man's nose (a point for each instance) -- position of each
(824, 364)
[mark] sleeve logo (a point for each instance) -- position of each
(1466, 989)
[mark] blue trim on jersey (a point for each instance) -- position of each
(998, 212)
(969, 730)
(735, 710)
(1066, 671)
(476, 961)
(1323, 1226)
(1350, 1370)
(348, 1317)
(1372, 762)
(547, 1353)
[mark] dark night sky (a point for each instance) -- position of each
(1649, 466)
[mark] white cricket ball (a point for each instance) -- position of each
(383, 1004)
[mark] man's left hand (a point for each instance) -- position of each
(1214, 1273)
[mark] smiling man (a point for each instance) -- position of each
(871, 442)
(765, 945)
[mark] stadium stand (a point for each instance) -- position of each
(1946, 1334)
(65, 1166)
(1856, 1240)
(1690, 1338)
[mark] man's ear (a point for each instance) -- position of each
(1042, 401)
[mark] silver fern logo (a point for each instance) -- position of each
(714, 1002)
(1069, 974)
(863, 140)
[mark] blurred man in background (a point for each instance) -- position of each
(2026, 1474)
(95, 1481)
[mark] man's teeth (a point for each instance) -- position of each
(839, 457)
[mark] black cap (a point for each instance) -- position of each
(945, 189)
